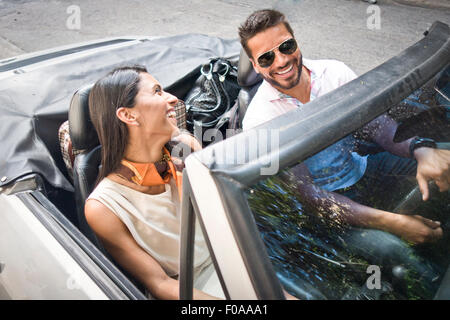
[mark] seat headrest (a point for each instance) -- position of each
(82, 131)
(247, 76)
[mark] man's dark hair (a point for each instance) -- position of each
(259, 21)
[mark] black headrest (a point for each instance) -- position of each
(82, 131)
(247, 76)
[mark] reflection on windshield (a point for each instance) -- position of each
(426, 112)
(442, 87)
(313, 260)
(317, 256)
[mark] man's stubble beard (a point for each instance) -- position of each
(292, 84)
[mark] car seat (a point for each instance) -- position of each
(249, 81)
(87, 160)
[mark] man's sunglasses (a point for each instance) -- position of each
(287, 47)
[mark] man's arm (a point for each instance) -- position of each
(432, 164)
(382, 131)
(341, 209)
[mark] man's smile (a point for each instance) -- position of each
(286, 71)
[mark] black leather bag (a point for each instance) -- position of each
(213, 94)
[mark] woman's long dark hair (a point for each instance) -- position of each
(117, 89)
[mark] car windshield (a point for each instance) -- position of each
(316, 254)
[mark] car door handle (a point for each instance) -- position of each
(2, 267)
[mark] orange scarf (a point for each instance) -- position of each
(151, 174)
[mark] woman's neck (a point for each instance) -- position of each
(144, 150)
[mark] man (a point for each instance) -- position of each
(290, 82)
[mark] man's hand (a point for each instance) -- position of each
(432, 164)
(188, 140)
(415, 229)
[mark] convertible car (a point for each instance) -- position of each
(263, 239)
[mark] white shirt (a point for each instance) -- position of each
(269, 103)
(335, 167)
(153, 221)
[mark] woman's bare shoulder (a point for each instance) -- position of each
(101, 219)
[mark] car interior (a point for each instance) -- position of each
(85, 141)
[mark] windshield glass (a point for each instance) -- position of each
(321, 248)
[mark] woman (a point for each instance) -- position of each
(135, 207)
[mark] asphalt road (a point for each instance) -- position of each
(353, 31)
